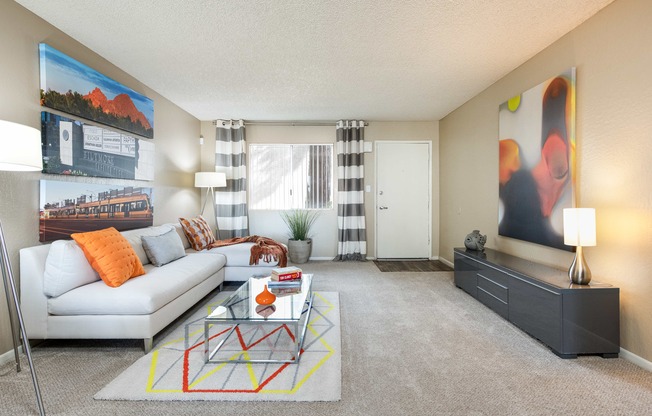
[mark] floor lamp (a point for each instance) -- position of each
(20, 150)
(210, 181)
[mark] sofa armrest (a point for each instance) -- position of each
(33, 302)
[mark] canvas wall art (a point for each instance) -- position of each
(73, 207)
(68, 85)
(537, 161)
(72, 147)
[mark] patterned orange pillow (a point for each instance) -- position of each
(198, 232)
(110, 255)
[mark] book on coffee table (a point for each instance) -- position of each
(285, 283)
(285, 291)
(281, 274)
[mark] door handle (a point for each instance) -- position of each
(382, 207)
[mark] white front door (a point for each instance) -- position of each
(403, 200)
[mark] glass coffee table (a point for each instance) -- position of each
(290, 310)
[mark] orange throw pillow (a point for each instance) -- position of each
(110, 255)
(198, 232)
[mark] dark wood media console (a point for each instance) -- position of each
(570, 319)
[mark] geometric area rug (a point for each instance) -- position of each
(175, 368)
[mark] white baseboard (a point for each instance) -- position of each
(635, 359)
(446, 262)
(431, 258)
(9, 355)
(321, 258)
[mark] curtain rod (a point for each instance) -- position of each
(290, 122)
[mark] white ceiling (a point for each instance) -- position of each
(375, 60)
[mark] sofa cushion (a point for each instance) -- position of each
(134, 238)
(142, 295)
(110, 254)
(163, 249)
(66, 268)
(198, 232)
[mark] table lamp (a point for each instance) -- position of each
(20, 150)
(579, 231)
(210, 181)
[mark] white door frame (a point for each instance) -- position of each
(376, 166)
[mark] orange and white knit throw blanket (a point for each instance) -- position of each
(264, 248)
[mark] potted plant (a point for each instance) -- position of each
(299, 223)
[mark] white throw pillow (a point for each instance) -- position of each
(66, 268)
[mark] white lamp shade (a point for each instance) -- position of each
(20, 147)
(579, 227)
(210, 179)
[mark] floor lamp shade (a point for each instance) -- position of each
(210, 180)
(20, 147)
(579, 231)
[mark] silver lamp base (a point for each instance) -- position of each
(211, 190)
(12, 295)
(579, 271)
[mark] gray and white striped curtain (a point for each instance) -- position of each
(351, 232)
(230, 158)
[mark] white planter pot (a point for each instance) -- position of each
(299, 250)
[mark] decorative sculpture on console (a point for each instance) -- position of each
(475, 241)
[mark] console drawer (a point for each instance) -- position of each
(493, 286)
(466, 275)
(493, 303)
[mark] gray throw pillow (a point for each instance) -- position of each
(163, 249)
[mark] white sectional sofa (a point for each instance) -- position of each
(139, 308)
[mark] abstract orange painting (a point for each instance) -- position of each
(536, 171)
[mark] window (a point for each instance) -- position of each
(286, 176)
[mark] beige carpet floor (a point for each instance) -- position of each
(412, 344)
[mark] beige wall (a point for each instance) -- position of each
(269, 223)
(175, 131)
(612, 54)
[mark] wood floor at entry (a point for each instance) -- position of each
(412, 266)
